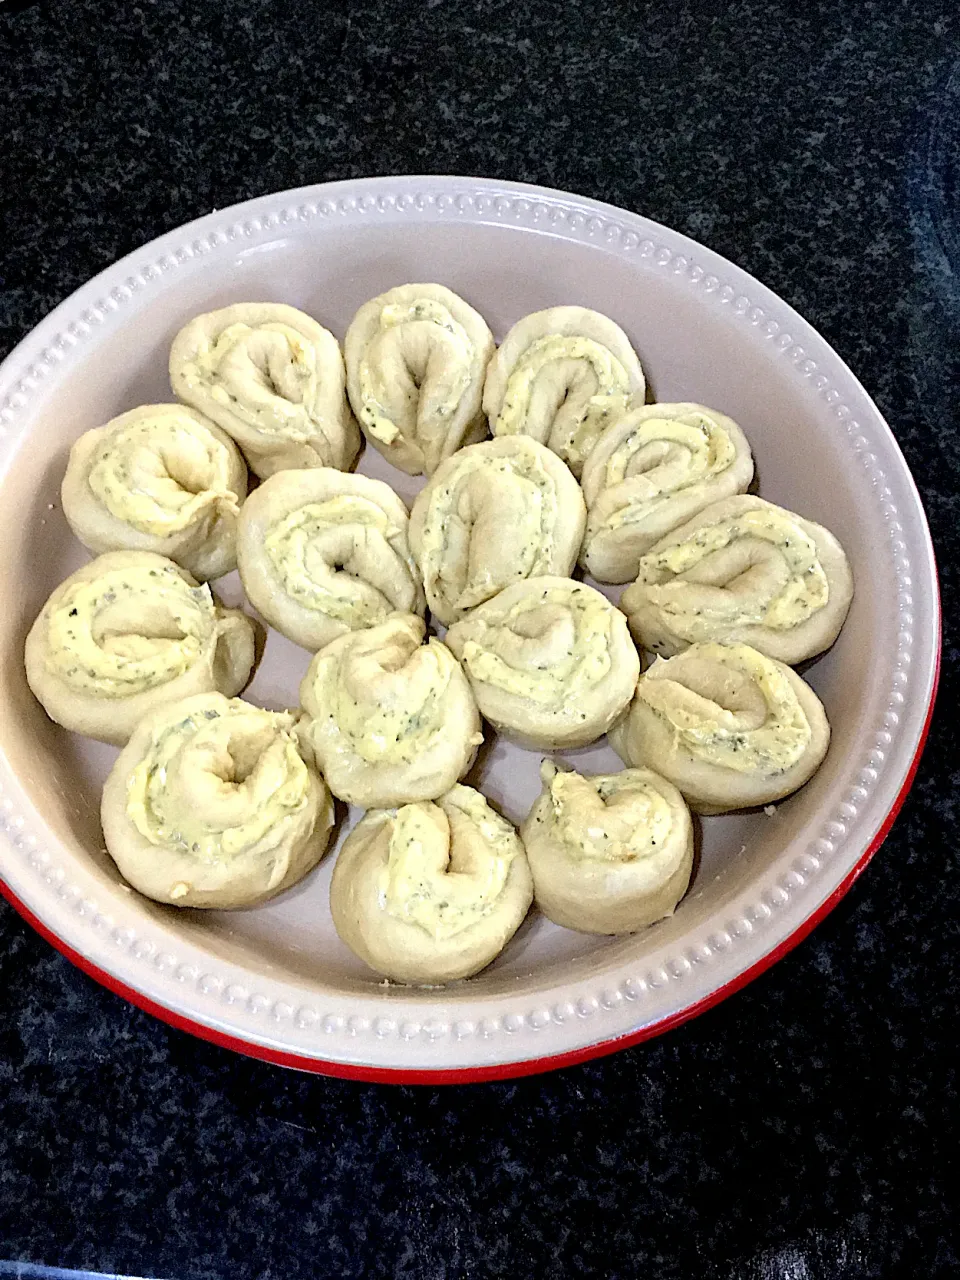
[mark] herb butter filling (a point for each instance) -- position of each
(319, 552)
(792, 589)
(446, 867)
(265, 374)
(765, 732)
(607, 819)
(217, 786)
(388, 716)
(128, 630)
(611, 391)
(445, 380)
(161, 474)
(662, 457)
(496, 493)
(552, 648)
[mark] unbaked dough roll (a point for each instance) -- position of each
(550, 660)
(416, 356)
(492, 515)
(611, 853)
(560, 375)
(742, 570)
(160, 478)
(323, 552)
(651, 470)
(730, 727)
(431, 892)
(273, 378)
(129, 632)
(211, 804)
(390, 719)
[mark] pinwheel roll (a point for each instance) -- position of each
(211, 804)
(742, 570)
(416, 356)
(730, 727)
(431, 892)
(160, 478)
(608, 854)
(494, 514)
(323, 552)
(129, 632)
(561, 376)
(273, 379)
(550, 661)
(651, 470)
(390, 720)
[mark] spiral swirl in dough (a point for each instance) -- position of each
(129, 632)
(494, 514)
(211, 804)
(391, 720)
(416, 356)
(743, 570)
(160, 478)
(611, 853)
(651, 470)
(728, 726)
(550, 660)
(323, 552)
(560, 376)
(431, 892)
(273, 379)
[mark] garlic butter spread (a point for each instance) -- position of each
(518, 496)
(450, 376)
(266, 375)
(160, 474)
(389, 718)
(768, 742)
(219, 785)
(607, 819)
(295, 546)
(612, 390)
(128, 630)
(681, 452)
(551, 648)
(417, 885)
(794, 589)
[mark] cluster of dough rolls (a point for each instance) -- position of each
(215, 802)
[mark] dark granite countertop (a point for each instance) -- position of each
(803, 1128)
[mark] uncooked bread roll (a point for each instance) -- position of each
(728, 726)
(560, 375)
(431, 892)
(550, 660)
(495, 513)
(742, 570)
(391, 719)
(273, 378)
(651, 470)
(323, 552)
(129, 632)
(609, 854)
(416, 356)
(211, 804)
(160, 478)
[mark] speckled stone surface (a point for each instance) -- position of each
(803, 1129)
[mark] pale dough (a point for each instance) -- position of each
(431, 892)
(211, 804)
(324, 552)
(273, 379)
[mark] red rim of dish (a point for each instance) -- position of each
(505, 1070)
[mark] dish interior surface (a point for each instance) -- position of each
(759, 875)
